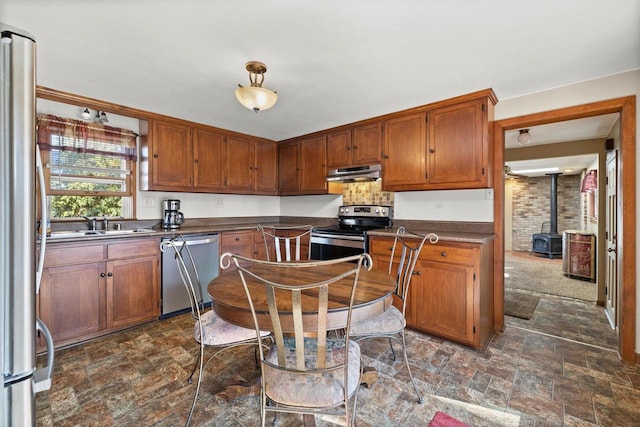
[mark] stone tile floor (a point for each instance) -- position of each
(524, 378)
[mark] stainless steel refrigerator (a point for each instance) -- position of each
(21, 255)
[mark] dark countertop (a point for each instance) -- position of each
(444, 236)
(203, 228)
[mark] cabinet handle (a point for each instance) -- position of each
(155, 156)
(355, 147)
(109, 274)
(417, 273)
(237, 239)
(102, 274)
(443, 253)
(348, 148)
(195, 161)
(431, 150)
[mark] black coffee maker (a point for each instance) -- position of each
(172, 217)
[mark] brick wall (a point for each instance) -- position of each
(531, 200)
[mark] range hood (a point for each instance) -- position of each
(355, 174)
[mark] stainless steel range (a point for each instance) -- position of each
(349, 237)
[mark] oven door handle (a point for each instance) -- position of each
(337, 237)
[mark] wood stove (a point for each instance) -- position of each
(550, 243)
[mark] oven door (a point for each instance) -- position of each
(325, 246)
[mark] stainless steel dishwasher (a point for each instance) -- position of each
(205, 251)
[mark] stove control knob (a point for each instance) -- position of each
(346, 210)
(384, 211)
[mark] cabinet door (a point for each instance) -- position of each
(457, 151)
(265, 169)
(339, 149)
(238, 159)
(72, 301)
(313, 165)
(441, 300)
(404, 152)
(367, 144)
(288, 169)
(238, 243)
(208, 164)
(132, 291)
(171, 156)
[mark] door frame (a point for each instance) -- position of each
(626, 107)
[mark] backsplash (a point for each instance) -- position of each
(366, 193)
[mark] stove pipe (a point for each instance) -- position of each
(553, 206)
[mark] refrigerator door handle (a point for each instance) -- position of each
(42, 376)
(43, 218)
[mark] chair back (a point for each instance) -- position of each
(283, 243)
(404, 255)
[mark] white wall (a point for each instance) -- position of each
(325, 206)
(602, 89)
(450, 205)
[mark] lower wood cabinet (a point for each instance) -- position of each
(89, 289)
(451, 293)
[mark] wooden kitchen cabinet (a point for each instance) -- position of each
(178, 156)
(243, 243)
(90, 289)
(302, 167)
(356, 146)
(447, 145)
(451, 292)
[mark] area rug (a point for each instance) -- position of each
(443, 420)
(538, 275)
(520, 304)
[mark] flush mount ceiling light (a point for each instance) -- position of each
(256, 97)
(525, 137)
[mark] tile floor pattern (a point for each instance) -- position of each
(137, 378)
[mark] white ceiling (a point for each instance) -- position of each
(332, 62)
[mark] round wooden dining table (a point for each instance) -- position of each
(373, 296)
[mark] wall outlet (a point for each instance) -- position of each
(148, 202)
(219, 203)
(488, 194)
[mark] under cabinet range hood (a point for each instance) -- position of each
(355, 174)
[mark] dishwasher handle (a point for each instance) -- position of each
(193, 242)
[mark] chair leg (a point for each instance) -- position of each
(406, 361)
(195, 366)
(393, 352)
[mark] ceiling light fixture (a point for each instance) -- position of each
(540, 170)
(86, 114)
(103, 117)
(256, 97)
(525, 137)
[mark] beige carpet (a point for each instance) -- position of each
(520, 304)
(530, 273)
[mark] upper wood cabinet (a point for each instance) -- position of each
(443, 147)
(404, 162)
(183, 157)
(360, 145)
(302, 167)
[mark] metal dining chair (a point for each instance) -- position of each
(286, 243)
(392, 323)
(209, 329)
(305, 372)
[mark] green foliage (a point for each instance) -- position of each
(76, 206)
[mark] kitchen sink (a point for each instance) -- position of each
(88, 233)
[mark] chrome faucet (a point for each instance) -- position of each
(91, 222)
(105, 221)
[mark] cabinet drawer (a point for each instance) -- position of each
(227, 240)
(133, 249)
(70, 255)
(452, 254)
(380, 246)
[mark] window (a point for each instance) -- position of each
(89, 168)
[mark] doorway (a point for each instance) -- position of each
(626, 266)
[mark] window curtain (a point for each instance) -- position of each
(590, 181)
(58, 133)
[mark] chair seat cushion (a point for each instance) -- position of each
(299, 388)
(218, 331)
(389, 322)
